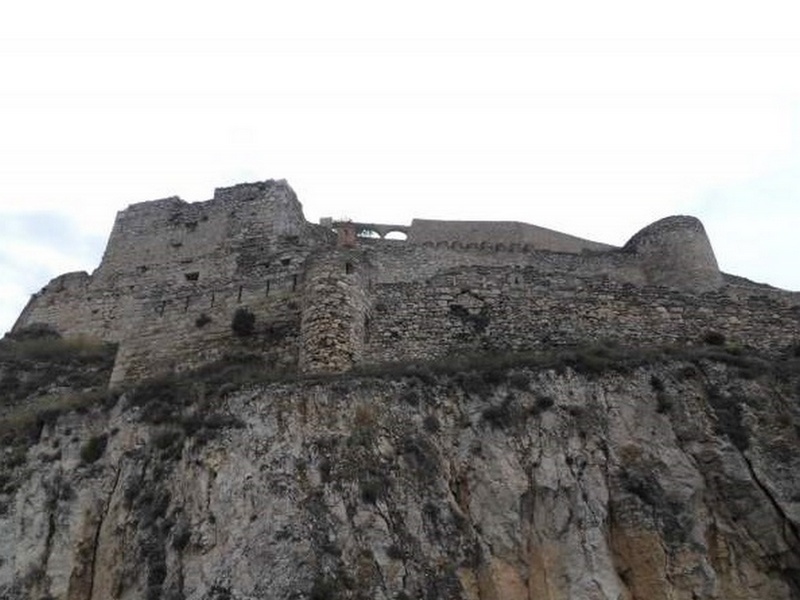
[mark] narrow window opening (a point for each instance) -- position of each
(193, 276)
(239, 297)
(294, 282)
(212, 299)
(285, 261)
(266, 291)
(163, 305)
(186, 305)
(348, 268)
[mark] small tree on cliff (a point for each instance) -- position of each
(243, 323)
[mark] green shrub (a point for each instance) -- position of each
(94, 448)
(243, 323)
(656, 383)
(501, 416)
(431, 424)
(714, 338)
(729, 417)
(663, 402)
(23, 423)
(542, 404)
(473, 383)
(70, 350)
(34, 331)
(326, 588)
(374, 487)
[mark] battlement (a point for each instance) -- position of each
(330, 296)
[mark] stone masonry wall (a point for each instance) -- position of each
(491, 309)
(170, 265)
(491, 233)
(335, 311)
(174, 274)
(184, 331)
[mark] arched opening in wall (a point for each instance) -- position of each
(348, 267)
(368, 234)
(396, 235)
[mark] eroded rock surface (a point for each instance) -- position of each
(675, 479)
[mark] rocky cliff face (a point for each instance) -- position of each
(600, 474)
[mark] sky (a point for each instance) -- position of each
(590, 118)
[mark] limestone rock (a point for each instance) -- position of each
(662, 478)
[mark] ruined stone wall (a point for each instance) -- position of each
(398, 261)
(676, 252)
(175, 273)
(75, 306)
(170, 265)
(336, 310)
(498, 309)
(184, 331)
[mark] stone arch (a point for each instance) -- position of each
(395, 234)
(370, 234)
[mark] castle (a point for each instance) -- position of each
(332, 296)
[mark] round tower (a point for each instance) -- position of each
(334, 313)
(676, 252)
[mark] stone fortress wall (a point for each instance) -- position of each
(325, 299)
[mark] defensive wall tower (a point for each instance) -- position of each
(335, 310)
(676, 252)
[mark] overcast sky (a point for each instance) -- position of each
(591, 118)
